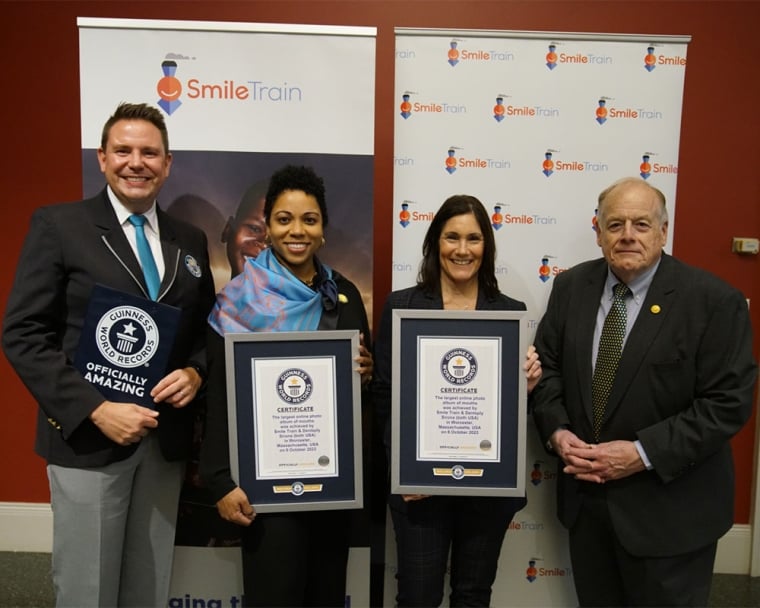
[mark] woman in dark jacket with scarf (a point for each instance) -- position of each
(294, 558)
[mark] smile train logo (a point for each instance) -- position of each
(601, 111)
(547, 167)
(544, 271)
(551, 56)
(650, 61)
(169, 88)
(406, 106)
(536, 475)
(645, 167)
(451, 161)
(404, 216)
(497, 219)
(453, 54)
(499, 109)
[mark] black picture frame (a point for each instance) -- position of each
(493, 390)
(270, 428)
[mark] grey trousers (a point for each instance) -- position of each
(113, 530)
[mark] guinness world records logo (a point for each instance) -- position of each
(127, 336)
(294, 386)
(459, 366)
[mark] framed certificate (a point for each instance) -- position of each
(459, 403)
(294, 414)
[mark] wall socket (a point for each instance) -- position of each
(745, 245)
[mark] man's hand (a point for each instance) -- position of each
(236, 508)
(564, 440)
(603, 462)
(124, 423)
(178, 388)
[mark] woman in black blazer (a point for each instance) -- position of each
(456, 273)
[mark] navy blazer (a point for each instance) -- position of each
(69, 248)
(683, 388)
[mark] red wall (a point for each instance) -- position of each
(715, 201)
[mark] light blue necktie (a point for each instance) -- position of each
(150, 272)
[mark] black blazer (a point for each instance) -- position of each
(405, 299)
(684, 387)
(69, 248)
(215, 451)
(417, 298)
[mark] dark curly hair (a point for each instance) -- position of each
(292, 177)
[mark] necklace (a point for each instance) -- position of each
(460, 303)
(459, 297)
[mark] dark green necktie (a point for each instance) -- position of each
(608, 354)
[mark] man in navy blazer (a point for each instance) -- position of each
(115, 469)
(647, 494)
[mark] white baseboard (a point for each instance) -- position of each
(29, 527)
(26, 526)
(734, 551)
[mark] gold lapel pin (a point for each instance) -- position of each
(655, 309)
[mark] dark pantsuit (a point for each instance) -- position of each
(296, 559)
(473, 527)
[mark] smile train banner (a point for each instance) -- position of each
(535, 125)
(240, 101)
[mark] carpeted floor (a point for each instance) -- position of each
(25, 583)
(25, 580)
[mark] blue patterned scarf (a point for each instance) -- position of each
(266, 296)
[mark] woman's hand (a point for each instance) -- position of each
(366, 365)
(532, 368)
(236, 508)
(413, 497)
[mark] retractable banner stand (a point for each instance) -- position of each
(534, 124)
(240, 101)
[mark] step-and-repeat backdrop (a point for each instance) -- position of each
(534, 124)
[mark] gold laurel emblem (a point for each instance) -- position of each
(449, 472)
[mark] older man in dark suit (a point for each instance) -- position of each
(115, 469)
(648, 373)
